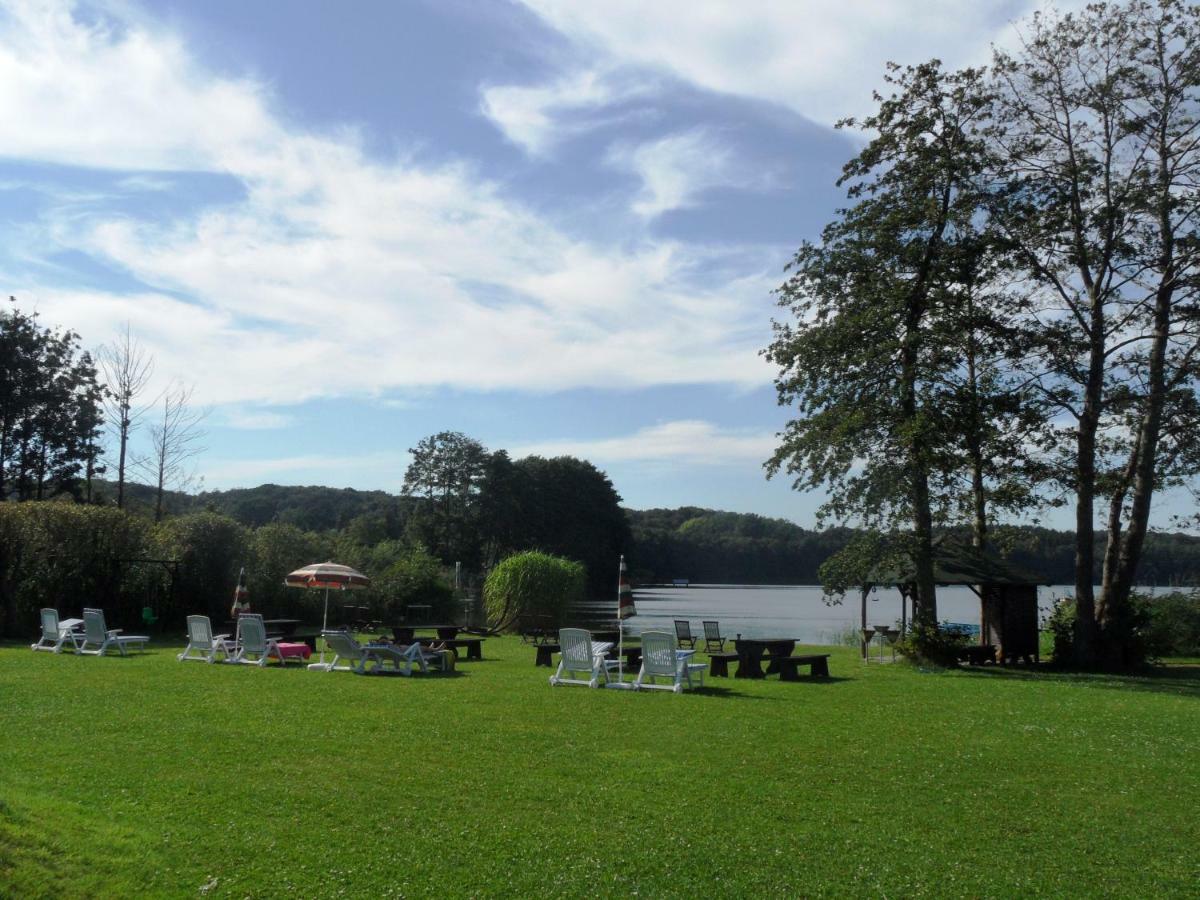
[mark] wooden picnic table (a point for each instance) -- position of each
(283, 627)
(751, 652)
(405, 633)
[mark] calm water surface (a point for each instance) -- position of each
(791, 611)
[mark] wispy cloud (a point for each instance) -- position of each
(677, 169)
(821, 60)
(256, 419)
(339, 273)
(689, 441)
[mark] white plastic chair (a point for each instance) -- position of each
(252, 641)
(345, 647)
(581, 654)
(54, 633)
(662, 658)
(96, 632)
(203, 642)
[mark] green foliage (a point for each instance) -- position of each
(68, 556)
(1137, 634)
(417, 577)
(210, 549)
(50, 410)
(1174, 628)
(532, 584)
(273, 551)
(932, 644)
(867, 553)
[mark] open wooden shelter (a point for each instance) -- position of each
(1008, 596)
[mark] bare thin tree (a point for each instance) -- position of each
(175, 439)
(127, 368)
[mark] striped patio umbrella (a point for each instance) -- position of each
(241, 596)
(625, 609)
(327, 575)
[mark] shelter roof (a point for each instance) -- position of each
(957, 563)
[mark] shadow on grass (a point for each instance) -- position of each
(1180, 680)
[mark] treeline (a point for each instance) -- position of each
(702, 545)
(71, 555)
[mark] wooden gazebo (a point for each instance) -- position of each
(1007, 595)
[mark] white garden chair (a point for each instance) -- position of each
(203, 643)
(580, 654)
(252, 641)
(56, 633)
(96, 632)
(662, 658)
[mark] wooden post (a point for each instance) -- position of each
(862, 634)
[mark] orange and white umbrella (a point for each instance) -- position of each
(327, 575)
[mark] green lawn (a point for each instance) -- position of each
(150, 776)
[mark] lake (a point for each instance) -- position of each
(794, 611)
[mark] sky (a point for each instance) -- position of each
(553, 225)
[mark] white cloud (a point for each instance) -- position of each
(677, 168)
(684, 442)
(337, 273)
(820, 59)
(535, 117)
(257, 419)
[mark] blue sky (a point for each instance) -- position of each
(552, 225)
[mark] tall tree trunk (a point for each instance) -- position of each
(125, 423)
(1086, 629)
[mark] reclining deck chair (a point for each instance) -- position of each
(346, 648)
(203, 642)
(712, 638)
(96, 632)
(252, 641)
(661, 658)
(54, 634)
(401, 659)
(683, 634)
(581, 654)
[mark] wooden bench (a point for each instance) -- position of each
(788, 666)
(545, 655)
(718, 664)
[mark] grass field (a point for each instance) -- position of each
(147, 776)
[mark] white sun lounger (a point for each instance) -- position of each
(56, 633)
(662, 658)
(580, 654)
(203, 643)
(95, 632)
(252, 641)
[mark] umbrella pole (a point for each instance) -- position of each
(324, 624)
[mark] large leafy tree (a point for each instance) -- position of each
(877, 311)
(1098, 141)
(447, 472)
(50, 412)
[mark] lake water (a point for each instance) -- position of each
(794, 611)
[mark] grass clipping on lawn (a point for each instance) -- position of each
(148, 776)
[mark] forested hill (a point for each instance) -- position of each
(701, 545)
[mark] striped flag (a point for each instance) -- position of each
(625, 607)
(241, 596)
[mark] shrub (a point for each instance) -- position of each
(1128, 633)
(532, 584)
(66, 556)
(932, 645)
(1174, 626)
(210, 549)
(416, 577)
